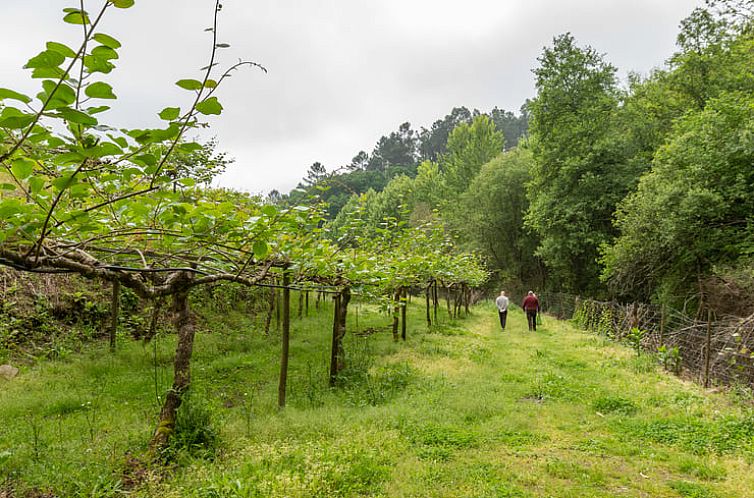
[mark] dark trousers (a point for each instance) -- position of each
(531, 317)
(503, 317)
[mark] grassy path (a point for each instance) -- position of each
(463, 410)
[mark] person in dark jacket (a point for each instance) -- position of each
(531, 308)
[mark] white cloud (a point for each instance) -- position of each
(342, 72)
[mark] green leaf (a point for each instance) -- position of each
(189, 84)
(169, 133)
(107, 40)
(22, 168)
(77, 117)
(209, 106)
(189, 147)
(7, 186)
(36, 184)
(210, 83)
(62, 49)
(9, 207)
(14, 119)
(100, 90)
(47, 72)
(76, 16)
(62, 95)
(104, 149)
(270, 211)
(104, 52)
(121, 141)
(145, 159)
(80, 191)
(69, 158)
(98, 64)
(10, 94)
(170, 113)
(45, 59)
(97, 109)
(122, 4)
(187, 182)
(260, 249)
(64, 182)
(54, 142)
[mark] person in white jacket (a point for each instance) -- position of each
(502, 308)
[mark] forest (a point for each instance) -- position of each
(163, 337)
(636, 190)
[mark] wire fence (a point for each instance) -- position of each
(710, 349)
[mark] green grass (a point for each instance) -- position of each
(460, 410)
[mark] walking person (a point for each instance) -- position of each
(502, 308)
(531, 308)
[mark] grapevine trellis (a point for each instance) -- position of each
(80, 197)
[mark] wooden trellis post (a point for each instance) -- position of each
(404, 305)
(707, 353)
(286, 336)
(114, 310)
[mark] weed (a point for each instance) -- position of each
(195, 432)
(692, 490)
(432, 349)
(387, 382)
(724, 436)
(703, 470)
(437, 442)
(518, 439)
(743, 394)
(479, 354)
(572, 471)
(670, 358)
(592, 446)
(248, 410)
(643, 364)
(614, 404)
(551, 386)
(539, 354)
(313, 386)
(634, 338)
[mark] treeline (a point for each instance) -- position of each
(640, 191)
(395, 154)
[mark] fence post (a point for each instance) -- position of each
(707, 354)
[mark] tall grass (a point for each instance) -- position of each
(461, 409)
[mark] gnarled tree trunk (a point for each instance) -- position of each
(181, 368)
(340, 315)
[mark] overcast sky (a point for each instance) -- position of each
(341, 72)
